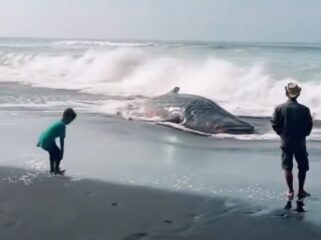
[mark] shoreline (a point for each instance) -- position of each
(49, 207)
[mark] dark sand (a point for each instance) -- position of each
(39, 206)
(34, 205)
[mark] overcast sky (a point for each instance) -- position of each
(233, 20)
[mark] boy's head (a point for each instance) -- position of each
(68, 116)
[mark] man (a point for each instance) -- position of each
(293, 123)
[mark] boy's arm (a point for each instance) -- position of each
(62, 146)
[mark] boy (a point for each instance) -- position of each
(47, 140)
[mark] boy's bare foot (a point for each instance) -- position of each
(60, 172)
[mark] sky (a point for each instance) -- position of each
(204, 20)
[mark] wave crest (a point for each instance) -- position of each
(244, 90)
(96, 43)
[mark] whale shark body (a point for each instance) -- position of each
(195, 113)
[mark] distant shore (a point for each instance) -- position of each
(38, 206)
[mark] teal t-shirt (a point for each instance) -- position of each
(47, 138)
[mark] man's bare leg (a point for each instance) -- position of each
(289, 181)
(302, 193)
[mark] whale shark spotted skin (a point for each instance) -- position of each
(195, 113)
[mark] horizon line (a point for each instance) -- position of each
(158, 40)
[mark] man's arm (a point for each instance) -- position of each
(62, 147)
(309, 123)
(277, 121)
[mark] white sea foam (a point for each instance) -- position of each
(101, 43)
(244, 90)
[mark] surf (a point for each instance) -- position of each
(127, 69)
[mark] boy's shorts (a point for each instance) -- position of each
(54, 153)
(300, 153)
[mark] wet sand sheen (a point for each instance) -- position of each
(46, 207)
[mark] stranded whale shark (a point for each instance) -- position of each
(195, 113)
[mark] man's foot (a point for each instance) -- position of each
(303, 194)
(288, 205)
(299, 206)
(290, 195)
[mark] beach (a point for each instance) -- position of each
(61, 208)
(197, 190)
(138, 179)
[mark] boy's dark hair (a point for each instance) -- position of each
(69, 113)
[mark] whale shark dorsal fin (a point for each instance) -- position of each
(175, 90)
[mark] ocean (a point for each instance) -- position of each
(104, 80)
(245, 78)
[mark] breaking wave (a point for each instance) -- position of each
(126, 71)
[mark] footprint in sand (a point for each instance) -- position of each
(91, 194)
(168, 221)
(136, 236)
(195, 217)
(12, 224)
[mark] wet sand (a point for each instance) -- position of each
(240, 183)
(35, 205)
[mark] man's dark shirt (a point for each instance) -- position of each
(292, 122)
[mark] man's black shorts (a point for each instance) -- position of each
(300, 153)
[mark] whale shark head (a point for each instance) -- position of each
(216, 123)
(208, 117)
(230, 126)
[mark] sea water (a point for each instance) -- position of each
(245, 78)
